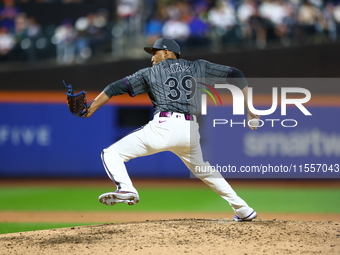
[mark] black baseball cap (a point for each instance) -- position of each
(165, 44)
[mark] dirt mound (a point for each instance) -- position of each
(181, 236)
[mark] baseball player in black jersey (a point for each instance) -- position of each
(174, 86)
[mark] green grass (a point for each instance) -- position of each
(14, 227)
(283, 200)
(177, 199)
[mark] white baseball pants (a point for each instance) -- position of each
(175, 134)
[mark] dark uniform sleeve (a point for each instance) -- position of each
(236, 77)
(137, 82)
(117, 88)
(218, 73)
(225, 74)
(134, 84)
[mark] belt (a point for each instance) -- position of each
(169, 114)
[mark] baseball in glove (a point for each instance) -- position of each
(77, 103)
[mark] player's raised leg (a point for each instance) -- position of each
(137, 144)
(114, 158)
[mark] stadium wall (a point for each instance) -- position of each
(45, 140)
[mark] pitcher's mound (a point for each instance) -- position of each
(181, 236)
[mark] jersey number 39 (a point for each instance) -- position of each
(186, 85)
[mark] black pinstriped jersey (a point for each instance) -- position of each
(176, 85)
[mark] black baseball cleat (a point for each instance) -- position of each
(112, 198)
(250, 217)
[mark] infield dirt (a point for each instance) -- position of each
(181, 236)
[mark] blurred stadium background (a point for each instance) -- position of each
(79, 31)
(91, 43)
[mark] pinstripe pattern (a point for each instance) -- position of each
(173, 84)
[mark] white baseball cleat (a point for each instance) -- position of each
(250, 217)
(112, 198)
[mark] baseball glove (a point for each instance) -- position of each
(77, 103)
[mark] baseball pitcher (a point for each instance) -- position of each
(174, 86)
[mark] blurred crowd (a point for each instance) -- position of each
(195, 24)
